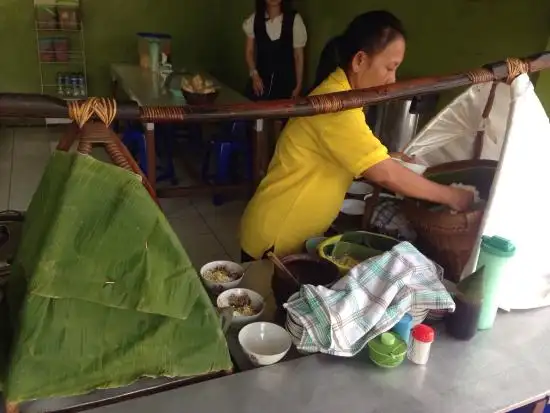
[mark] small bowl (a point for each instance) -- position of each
(219, 287)
(313, 243)
(353, 207)
(415, 167)
(359, 188)
(264, 343)
(257, 302)
(200, 98)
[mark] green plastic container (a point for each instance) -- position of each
(494, 256)
(359, 245)
(387, 350)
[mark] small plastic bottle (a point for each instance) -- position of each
(422, 337)
(403, 328)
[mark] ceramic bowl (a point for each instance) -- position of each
(415, 167)
(264, 343)
(353, 207)
(257, 303)
(312, 244)
(219, 287)
(359, 188)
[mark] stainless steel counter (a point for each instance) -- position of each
(498, 370)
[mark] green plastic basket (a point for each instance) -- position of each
(356, 246)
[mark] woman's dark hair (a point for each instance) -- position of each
(369, 32)
(261, 7)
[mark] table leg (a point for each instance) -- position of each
(259, 166)
(114, 91)
(151, 155)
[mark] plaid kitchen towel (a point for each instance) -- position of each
(388, 219)
(370, 300)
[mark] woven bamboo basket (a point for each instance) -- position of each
(449, 238)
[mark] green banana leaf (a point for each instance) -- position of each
(102, 292)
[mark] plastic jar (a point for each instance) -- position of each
(422, 337)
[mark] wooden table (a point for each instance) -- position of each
(147, 88)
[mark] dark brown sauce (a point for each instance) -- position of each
(310, 272)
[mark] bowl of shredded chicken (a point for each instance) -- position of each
(247, 305)
(221, 275)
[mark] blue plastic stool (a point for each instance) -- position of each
(134, 139)
(224, 148)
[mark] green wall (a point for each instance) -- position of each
(445, 36)
(543, 86)
(110, 27)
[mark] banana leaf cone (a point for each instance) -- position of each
(102, 292)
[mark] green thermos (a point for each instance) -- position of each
(494, 256)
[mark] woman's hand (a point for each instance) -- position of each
(403, 157)
(257, 84)
(460, 199)
(397, 178)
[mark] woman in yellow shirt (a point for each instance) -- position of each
(317, 157)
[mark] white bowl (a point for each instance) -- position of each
(230, 266)
(264, 343)
(353, 207)
(257, 302)
(415, 167)
(381, 195)
(359, 188)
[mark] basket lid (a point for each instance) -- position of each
(495, 245)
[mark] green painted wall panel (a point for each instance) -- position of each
(110, 27)
(445, 36)
(543, 86)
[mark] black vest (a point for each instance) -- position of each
(275, 59)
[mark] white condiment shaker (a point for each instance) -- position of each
(422, 337)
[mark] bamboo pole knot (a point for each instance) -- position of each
(516, 67)
(480, 76)
(81, 111)
(326, 103)
(164, 113)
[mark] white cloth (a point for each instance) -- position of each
(275, 26)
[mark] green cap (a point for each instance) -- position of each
(387, 339)
(498, 246)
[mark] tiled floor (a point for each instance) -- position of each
(207, 232)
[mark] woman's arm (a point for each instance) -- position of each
(299, 67)
(299, 33)
(250, 54)
(395, 177)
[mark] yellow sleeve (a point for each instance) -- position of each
(349, 141)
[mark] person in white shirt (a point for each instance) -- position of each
(275, 41)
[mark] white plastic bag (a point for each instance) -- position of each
(450, 135)
(518, 133)
(518, 205)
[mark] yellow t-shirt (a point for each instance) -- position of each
(315, 161)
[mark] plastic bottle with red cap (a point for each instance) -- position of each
(422, 337)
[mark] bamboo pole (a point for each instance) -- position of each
(41, 106)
